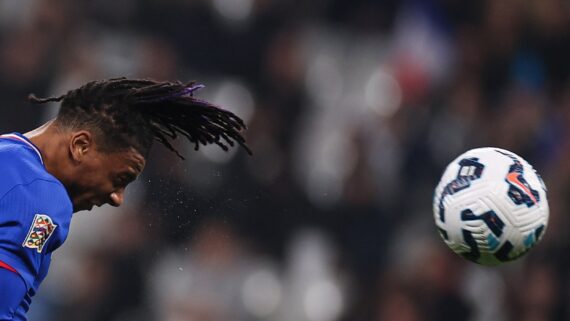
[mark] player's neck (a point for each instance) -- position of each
(41, 137)
(31, 135)
(51, 143)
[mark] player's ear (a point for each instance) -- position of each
(80, 144)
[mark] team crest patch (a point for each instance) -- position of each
(40, 231)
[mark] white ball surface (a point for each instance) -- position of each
(490, 206)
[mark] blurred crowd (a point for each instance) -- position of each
(354, 109)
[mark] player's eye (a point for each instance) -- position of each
(120, 181)
(123, 180)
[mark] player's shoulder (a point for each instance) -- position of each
(17, 145)
(21, 164)
(26, 186)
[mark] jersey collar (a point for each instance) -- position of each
(21, 138)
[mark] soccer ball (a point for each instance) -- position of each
(490, 206)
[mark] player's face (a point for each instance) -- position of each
(103, 177)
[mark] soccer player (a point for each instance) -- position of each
(86, 157)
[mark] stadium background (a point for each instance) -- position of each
(354, 108)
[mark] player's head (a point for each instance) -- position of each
(110, 126)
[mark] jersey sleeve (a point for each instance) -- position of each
(12, 291)
(34, 221)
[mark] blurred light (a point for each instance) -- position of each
(383, 94)
(486, 291)
(14, 13)
(324, 80)
(312, 253)
(115, 52)
(261, 293)
(324, 191)
(233, 96)
(215, 154)
(323, 301)
(333, 159)
(235, 10)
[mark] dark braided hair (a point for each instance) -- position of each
(135, 112)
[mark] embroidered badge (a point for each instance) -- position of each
(40, 231)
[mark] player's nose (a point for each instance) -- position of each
(117, 198)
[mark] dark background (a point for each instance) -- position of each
(354, 109)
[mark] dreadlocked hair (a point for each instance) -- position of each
(136, 112)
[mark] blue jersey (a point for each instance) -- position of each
(35, 213)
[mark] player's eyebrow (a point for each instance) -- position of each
(129, 175)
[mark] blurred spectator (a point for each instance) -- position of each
(354, 108)
(207, 278)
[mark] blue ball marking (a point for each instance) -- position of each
(469, 170)
(490, 218)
